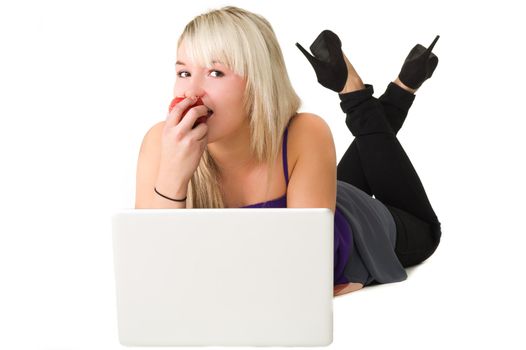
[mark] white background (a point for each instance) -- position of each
(82, 82)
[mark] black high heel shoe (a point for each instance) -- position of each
(328, 62)
(419, 65)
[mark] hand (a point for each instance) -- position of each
(184, 140)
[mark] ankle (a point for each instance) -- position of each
(398, 82)
(353, 85)
(354, 82)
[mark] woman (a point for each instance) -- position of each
(231, 60)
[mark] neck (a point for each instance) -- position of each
(232, 154)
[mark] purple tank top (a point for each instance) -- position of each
(342, 231)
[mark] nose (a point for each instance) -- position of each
(194, 88)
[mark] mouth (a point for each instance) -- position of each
(204, 118)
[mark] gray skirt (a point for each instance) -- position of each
(372, 257)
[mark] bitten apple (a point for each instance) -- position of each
(199, 102)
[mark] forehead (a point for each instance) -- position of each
(184, 59)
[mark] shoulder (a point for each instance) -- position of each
(307, 122)
(312, 182)
(305, 127)
(152, 138)
(308, 131)
(156, 129)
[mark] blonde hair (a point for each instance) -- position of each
(246, 43)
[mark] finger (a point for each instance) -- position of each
(175, 116)
(200, 131)
(189, 120)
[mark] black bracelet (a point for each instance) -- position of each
(172, 199)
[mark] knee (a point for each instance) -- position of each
(436, 231)
(416, 239)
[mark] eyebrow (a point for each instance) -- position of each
(184, 64)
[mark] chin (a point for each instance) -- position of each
(211, 136)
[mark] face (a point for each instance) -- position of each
(220, 89)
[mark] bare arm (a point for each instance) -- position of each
(148, 176)
(341, 289)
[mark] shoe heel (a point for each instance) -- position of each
(430, 48)
(419, 65)
(327, 60)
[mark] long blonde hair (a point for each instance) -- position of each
(246, 43)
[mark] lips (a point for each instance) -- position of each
(199, 102)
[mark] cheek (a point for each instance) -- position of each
(176, 91)
(179, 87)
(230, 115)
(235, 89)
(234, 99)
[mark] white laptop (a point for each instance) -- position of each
(224, 277)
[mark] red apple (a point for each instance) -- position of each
(199, 102)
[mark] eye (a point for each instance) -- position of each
(219, 73)
(180, 74)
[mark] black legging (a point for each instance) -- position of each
(376, 163)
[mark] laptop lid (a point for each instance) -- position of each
(224, 277)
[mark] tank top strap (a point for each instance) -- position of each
(284, 156)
